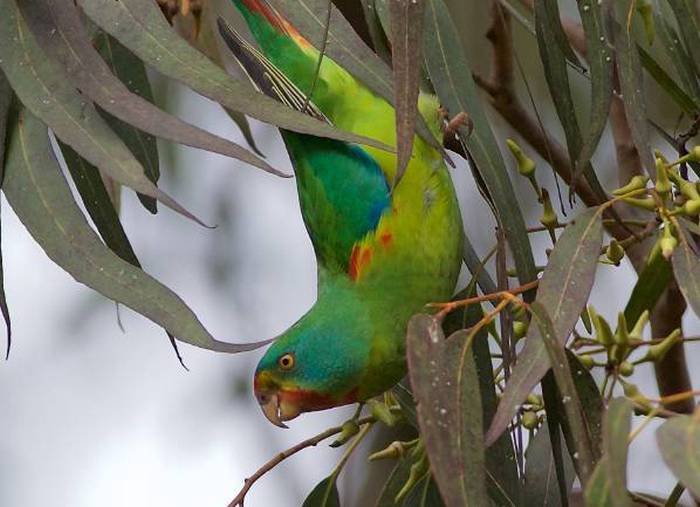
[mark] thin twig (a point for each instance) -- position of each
(279, 458)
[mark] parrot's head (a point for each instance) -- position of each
(315, 365)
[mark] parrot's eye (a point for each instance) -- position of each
(286, 362)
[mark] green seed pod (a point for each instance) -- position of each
(615, 253)
(622, 336)
(549, 216)
(685, 187)
(526, 166)
(658, 351)
(636, 183)
(349, 430)
(647, 203)
(638, 329)
(530, 420)
(392, 451)
(587, 361)
(667, 243)
(626, 368)
(382, 412)
(691, 208)
(695, 154)
(520, 329)
(663, 183)
(633, 393)
(603, 333)
(418, 469)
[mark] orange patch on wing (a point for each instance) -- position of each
(275, 19)
(359, 259)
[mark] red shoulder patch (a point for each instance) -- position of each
(359, 259)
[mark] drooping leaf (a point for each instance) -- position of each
(686, 267)
(689, 27)
(140, 26)
(425, 494)
(675, 92)
(451, 75)
(616, 429)
(376, 32)
(550, 38)
(600, 62)
(583, 456)
(563, 291)
(556, 422)
(679, 443)
(444, 382)
(131, 71)
(407, 34)
(40, 196)
(44, 89)
(501, 465)
(651, 283)
(541, 487)
(58, 29)
(598, 486)
(671, 42)
(396, 480)
(629, 71)
(325, 494)
(5, 102)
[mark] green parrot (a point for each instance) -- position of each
(383, 253)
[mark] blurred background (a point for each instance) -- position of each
(91, 415)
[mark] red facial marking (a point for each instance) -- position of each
(308, 400)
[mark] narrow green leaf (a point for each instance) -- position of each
(407, 33)
(677, 94)
(689, 27)
(325, 494)
(583, 456)
(450, 73)
(629, 71)
(43, 88)
(40, 196)
(686, 267)
(679, 443)
(556, 422)
(600, 61)
(501, 466)
(616, 429)
(396, 480)
(444, 382)
(132, 72)
(598, 486)
(563, 291)
(376, 31)
(425, 494)
(58, 29)
(650, 284)
(140, 26)
(98, 204)
(671, 42)
(541, 487)
(5, 102)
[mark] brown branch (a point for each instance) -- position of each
(671, 373)
(279, 458)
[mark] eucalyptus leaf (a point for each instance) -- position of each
(450, 73)
(689, 27)
(140, 26)
(40, 196)
(563, 291)
(58, 29)
(686, 267)
(44, 89)
(5, 103)
(650, 284)
(407, 33)
(679, 443)
(541, 487)
(444, 382)
(325, 494)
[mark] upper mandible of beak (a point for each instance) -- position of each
(269, 403)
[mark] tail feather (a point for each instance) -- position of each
(266, 78)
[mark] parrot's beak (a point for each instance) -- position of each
(277, 404)
(271, 408)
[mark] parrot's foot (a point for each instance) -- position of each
(350, 427)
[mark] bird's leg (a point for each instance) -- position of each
(450, 129)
